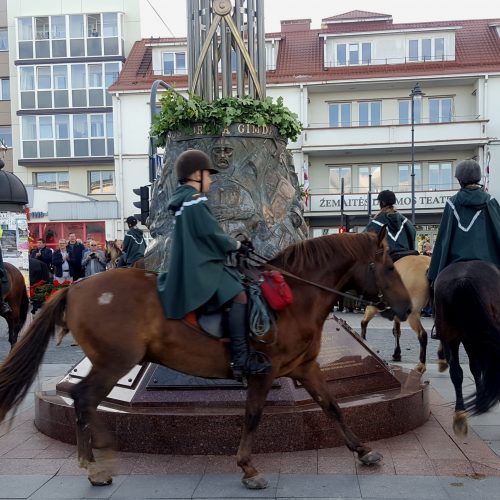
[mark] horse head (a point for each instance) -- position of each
(384, 282)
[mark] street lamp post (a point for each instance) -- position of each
(416, 95)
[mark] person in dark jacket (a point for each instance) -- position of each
(470, 225)
(401, 232)
(41, 252)
(198, 276)
(60, 262)
(75, 253)
(134, 244)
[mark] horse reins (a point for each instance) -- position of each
(379, 305)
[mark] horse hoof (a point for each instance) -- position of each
(396, 358)
(442, 365)
(460, 424)
(98, 482)
(370, 458)
(255, 483)
(420, 367)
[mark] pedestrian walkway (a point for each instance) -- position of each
(427, 463)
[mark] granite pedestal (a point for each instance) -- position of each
(156, 410)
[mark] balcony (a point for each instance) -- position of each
(461, 131)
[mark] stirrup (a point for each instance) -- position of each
(258, 363)
(434, 334)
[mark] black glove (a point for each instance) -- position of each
(245, 247)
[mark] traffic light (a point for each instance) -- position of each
(341, 229)
(348, 226)
(143, 193)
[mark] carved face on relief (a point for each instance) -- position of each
(222, 154)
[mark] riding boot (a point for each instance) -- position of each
(244, 361)
(4, 307)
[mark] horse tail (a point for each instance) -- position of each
(485, 339)
(18, 371)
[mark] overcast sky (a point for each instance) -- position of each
(171, 20)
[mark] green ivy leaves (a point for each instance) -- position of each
(180, 114)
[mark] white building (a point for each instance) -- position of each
(350, 83)
(63, 57)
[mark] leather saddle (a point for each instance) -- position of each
(212, 324)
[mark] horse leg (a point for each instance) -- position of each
(460, 425)
(396, 331)
(312, 379)
(442, 362)
(369, 313)
(13, 332)
(90, 431)
(416, 325)
(258, 388)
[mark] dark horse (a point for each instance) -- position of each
(144, 335)
(467, 311)
(17, 297)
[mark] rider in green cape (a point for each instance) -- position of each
(470, 225)
(198, 276)
(401, 232)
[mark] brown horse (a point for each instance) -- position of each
(466, 312)
(413, 272)
(143, 334)
(17, 298)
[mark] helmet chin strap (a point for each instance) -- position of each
(200, 182)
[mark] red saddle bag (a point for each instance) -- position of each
(276, 290)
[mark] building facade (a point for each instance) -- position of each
(353, 84)
(63, 58)
(5, 111)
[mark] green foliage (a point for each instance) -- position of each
(180, 115)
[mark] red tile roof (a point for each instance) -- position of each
(354, 15)
(300, 56)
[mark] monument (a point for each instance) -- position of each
(155, 409)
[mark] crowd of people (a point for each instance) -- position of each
(75, 259)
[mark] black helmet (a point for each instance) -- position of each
(131, 220)
(386, 198)
(190, 161)
(468, 172)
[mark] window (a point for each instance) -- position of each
(41, 28)
(25, 25)
(369, 113)
(110, 24)
(52, 180)
(426, 49)
(440, 110)
(405, 111)
(350, 53)
(4, 39)
(364, 179)
(174, 63)
(5, 89)
(340, 114)
(440, 176)
(336, 176)
(6, 136)
(102, 182)
(405, 177)
(94, 25)
(58, 27)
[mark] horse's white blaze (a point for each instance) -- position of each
(105, 298)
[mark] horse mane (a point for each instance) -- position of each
(318, 252)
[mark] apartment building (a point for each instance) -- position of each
(63, 58)
(351, 84)
(5, 113)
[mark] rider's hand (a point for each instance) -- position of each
(245, 247)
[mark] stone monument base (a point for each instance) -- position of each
(156, 410)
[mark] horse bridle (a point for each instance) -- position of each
(380, 305)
